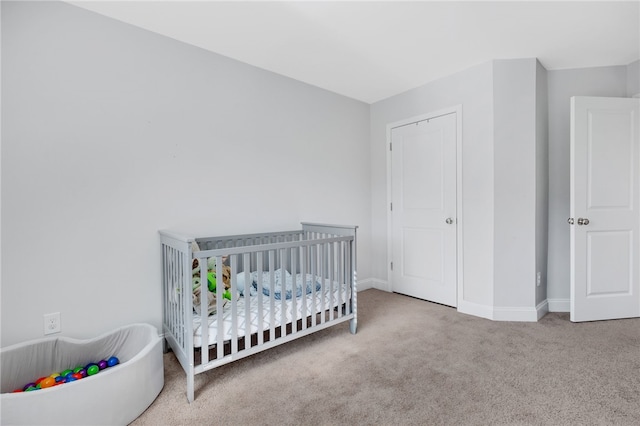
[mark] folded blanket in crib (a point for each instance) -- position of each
(280, 285)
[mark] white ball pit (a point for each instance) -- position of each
(115, 396)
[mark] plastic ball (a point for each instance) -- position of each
(66, 372)
(71, 379)
(54, 375)
(78, 368)
(77, 376)
(31, 388)
(92, 369)
(83, 373)
(17, 390)
(47, 382)
(40, 379)
(102, 364)
(28, 385)
(59, 379)
(113, 361)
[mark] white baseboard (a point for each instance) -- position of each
(365, 284)
(542, 309)
(520, 314)
(374, 283)
(475, 309)
(559, 305)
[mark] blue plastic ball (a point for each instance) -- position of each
(113, 361)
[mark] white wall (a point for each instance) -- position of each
(563, 84)
(514, 91)
(473, 89)
(504, 184)
(542, 183)
(111, 132)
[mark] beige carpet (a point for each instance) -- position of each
(415, 362)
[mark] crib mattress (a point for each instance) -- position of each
(314, 303)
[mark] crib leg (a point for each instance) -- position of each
(190, 393)
(353, 325)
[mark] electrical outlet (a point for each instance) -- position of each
(538, 279)
(52, 323)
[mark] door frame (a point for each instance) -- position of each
(457, 109)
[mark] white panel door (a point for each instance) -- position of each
(605, 209)
(423, 210)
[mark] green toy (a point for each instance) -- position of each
(211, 278)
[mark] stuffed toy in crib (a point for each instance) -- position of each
(212, 283)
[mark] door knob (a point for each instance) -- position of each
(449, 221)
(583, 221)
(570, 221)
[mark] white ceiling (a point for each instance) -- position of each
(372, 50)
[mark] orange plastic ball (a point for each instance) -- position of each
(48, 382)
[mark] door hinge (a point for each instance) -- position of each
(390, 146)
(392, 266)
(391, 206)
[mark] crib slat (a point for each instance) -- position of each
(175, 304)
(323, 274)
(219, 313)
(303, 273)
(332, 271)
(234, 309)
(177, 308)
(339, 278)
(204, 309)
(353, 269)
(183, 308)
(259, 266)
(347, 279)
(294, 292)
(272, 305)
(246, 261)
(313, 257)
(325, 277)
(182, 299)
(167, 287)
(283, 293)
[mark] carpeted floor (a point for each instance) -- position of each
(415, 362)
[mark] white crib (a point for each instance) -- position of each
(284, 285)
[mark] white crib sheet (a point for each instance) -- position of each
(328, 300)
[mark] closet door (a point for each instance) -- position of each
(423, 210)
